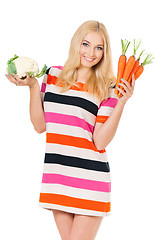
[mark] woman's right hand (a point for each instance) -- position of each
(28, 81)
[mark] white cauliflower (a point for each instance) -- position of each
(21, 65)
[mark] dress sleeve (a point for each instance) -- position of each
(106, 106)
(53, 71)
(43, 85)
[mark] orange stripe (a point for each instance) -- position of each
(74, 202)
(51, 79)
(80, 86)
(71, 141)
(101, 119)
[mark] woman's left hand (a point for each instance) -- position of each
(128, 90)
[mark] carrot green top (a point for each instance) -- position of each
(147, 60)
(125, 44)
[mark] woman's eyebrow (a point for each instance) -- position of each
(89, 42)
(86, 40)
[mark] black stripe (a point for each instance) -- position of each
(47, 72)
(77, 162)
(71, 100)
(113, 86)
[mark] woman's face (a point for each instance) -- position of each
(91, 50)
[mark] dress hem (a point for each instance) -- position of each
(73, 210)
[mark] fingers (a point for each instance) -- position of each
(121, 91)
(15, 79)
(127, 86)
(133, 81)
(128, 89)
(126, 83)
(123, 85)
(27, 75)
(11, 78)
(28, 81)
(20, 82)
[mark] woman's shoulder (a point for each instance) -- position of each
(54, 70)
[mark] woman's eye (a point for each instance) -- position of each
(85, 44)
(99, 48)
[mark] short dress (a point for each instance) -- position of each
(76, 175)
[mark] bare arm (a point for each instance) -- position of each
(37, 115)
(104, 132)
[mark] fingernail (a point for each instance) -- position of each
(119, 83)
(122, 79)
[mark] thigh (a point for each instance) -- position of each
(64, 221)
(85, 227)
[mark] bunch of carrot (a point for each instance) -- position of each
(126, 68)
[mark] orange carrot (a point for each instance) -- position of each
(130, 64)
(121, 63)
(121, 67)
(136, 65)
(139, 72)
(140, 69)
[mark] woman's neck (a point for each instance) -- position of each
(83, 74)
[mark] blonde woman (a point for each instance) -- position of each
(79, 111)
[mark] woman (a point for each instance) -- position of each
(79, 111)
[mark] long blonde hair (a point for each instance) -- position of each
(102, 76)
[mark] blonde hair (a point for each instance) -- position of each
(102, 76)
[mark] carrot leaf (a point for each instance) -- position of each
(136, 46)
(140, 54)
(125, 44)
(147, 60)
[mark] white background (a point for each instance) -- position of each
(42, 30)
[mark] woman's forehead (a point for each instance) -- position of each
(94, 37)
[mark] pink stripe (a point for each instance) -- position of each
(68, 120)
(110, 102)
(43, 87)
(59, 67)
(76, 182)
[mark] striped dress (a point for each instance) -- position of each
(76, 176)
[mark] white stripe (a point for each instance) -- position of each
(112, 93)
(105, 110)
(76, 152)
(77, 172)
(69, 130)
(70, 110)
(54, 71)
(76, 192)
(45, 78)
(73, 93)
(42, 96)
(73, 210)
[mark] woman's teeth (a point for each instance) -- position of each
(89, 59)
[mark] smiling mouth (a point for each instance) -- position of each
(89, 59)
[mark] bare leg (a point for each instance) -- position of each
(85, 227)
(64, 221)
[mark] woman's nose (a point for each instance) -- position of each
(91, 52)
